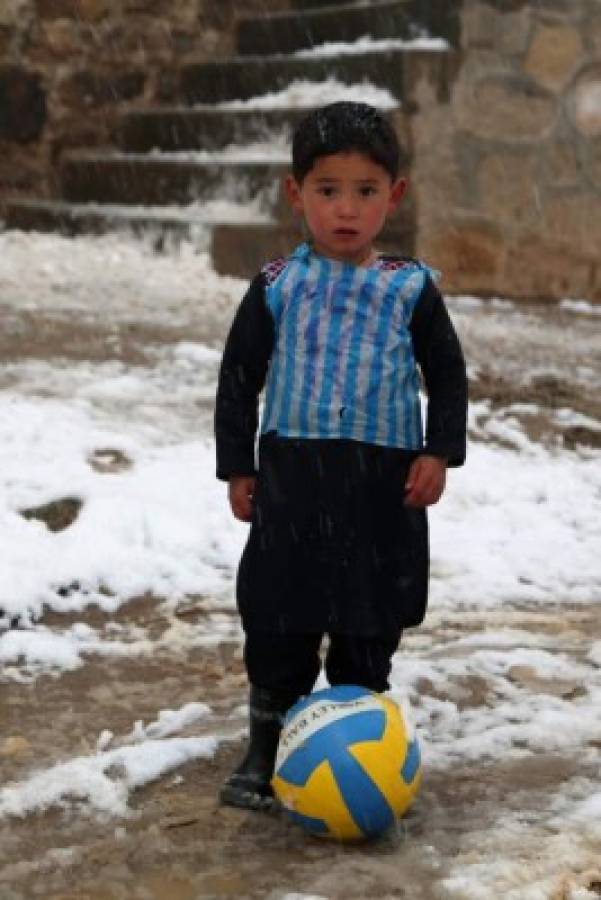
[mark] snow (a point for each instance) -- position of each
(519, 529)
(276, 150)
(102, 781)
(302, 93)
(580, 306)
(140, 530)
(108, 404)
(296, 896)
(127, 279)
(207, 213)
(367, 44)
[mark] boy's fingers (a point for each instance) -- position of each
(242, 510)
(425, 490)
(240, 494)
(413, 476)
(425, 482)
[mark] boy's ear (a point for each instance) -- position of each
(293, 193)
(397, 192)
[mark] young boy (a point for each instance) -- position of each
(338, 543)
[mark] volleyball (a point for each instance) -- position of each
(346, 766)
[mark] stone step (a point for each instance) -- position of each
(240, 251)
(78, 219)
(396, 71)
(161, 180)
(308, 4)
(182, 128)
(383, 19)
(237, 248)
(90, 218)
(211, 129)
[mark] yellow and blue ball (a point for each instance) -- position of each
(346, 766)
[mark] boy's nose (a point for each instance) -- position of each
(347, 208)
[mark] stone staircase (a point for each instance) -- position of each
(171, 168)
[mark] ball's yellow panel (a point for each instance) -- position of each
(320, 799)
(384, 760)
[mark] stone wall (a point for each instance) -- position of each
(508, 174)
(69, 67)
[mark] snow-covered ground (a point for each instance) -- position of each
(504, 680)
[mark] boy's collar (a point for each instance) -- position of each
(305, 250)
(302, 251)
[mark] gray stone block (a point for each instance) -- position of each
(241, 79)
(240, 250)
(130, 179)
(22, 105)
(290, 32)
(76, 219)
(202, 129)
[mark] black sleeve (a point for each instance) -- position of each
(440, 358)
(241, 378)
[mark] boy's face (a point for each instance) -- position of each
(345, 199)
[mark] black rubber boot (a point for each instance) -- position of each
(248, 787)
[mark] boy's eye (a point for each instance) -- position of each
(367, 190)
(326, 191)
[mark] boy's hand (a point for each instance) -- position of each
(240, 492)
(426, 481)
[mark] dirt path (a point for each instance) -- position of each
(178, 844)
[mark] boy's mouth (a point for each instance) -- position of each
(346, 232)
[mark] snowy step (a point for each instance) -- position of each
(309, 4)
(240, 247)
(182, 128)
(395, 70)
(159, 179)
(90, 218)
(384, 19)
(239, 241)
(210, 128)
(241, 251)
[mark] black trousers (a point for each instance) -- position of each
(333, 548)
(291, 662)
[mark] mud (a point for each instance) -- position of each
(42, 335)
(178, 843)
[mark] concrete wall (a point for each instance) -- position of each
(507, 174)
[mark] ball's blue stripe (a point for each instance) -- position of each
(339, 694)
(368, 808)
(331, 742)
(411, 764)
(364, 800)
(315, 826)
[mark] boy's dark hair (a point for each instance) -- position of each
(344, 127)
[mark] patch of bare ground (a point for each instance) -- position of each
(42, 335)
(179, 844)
(539, 357)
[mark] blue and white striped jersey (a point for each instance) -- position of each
(342, 364)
